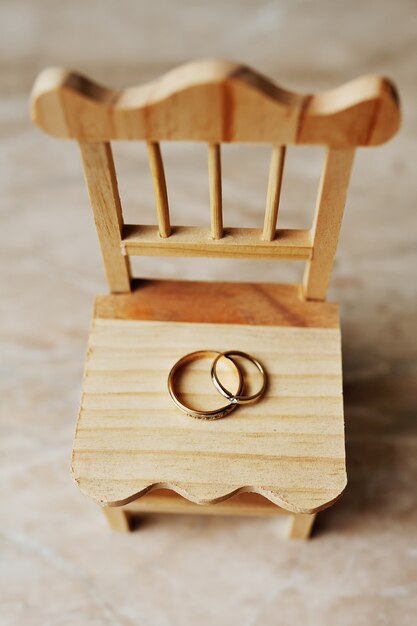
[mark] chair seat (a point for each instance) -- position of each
(130, 438)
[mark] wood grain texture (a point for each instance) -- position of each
(243, 243)
(218, 303)
(130, 438)
(327, 222)
(101, 182)
(215, 101)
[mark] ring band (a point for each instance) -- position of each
(207, 415)
(239, 399)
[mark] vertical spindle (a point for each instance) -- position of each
(215, 186)
(276, 168)
(160, 189)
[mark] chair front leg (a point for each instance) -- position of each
(300, 525)
(117, 518)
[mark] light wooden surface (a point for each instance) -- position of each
(215, 101)
(215, 186)
(166, 501)
(235, 243)
(117, 518)
(101, 181)
(218, 303)
(300, 468)
(289, 447)
(276, 170)
(299, 526)
(160, 189)
(162, 501)
(327, 222)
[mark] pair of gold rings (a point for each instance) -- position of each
(234, 399)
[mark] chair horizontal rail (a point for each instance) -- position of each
(198, 242)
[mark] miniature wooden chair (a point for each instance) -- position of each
(133, 450)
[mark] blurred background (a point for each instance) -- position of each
(59, 562)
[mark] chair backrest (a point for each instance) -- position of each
(216, 102)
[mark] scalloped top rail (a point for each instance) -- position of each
(215, 102)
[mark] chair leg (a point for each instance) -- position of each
(117, 518)
(300, 525)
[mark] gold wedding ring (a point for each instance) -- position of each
(234, 399)
(206, 415)
(238, 398)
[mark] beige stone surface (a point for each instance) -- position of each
(59, 563)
